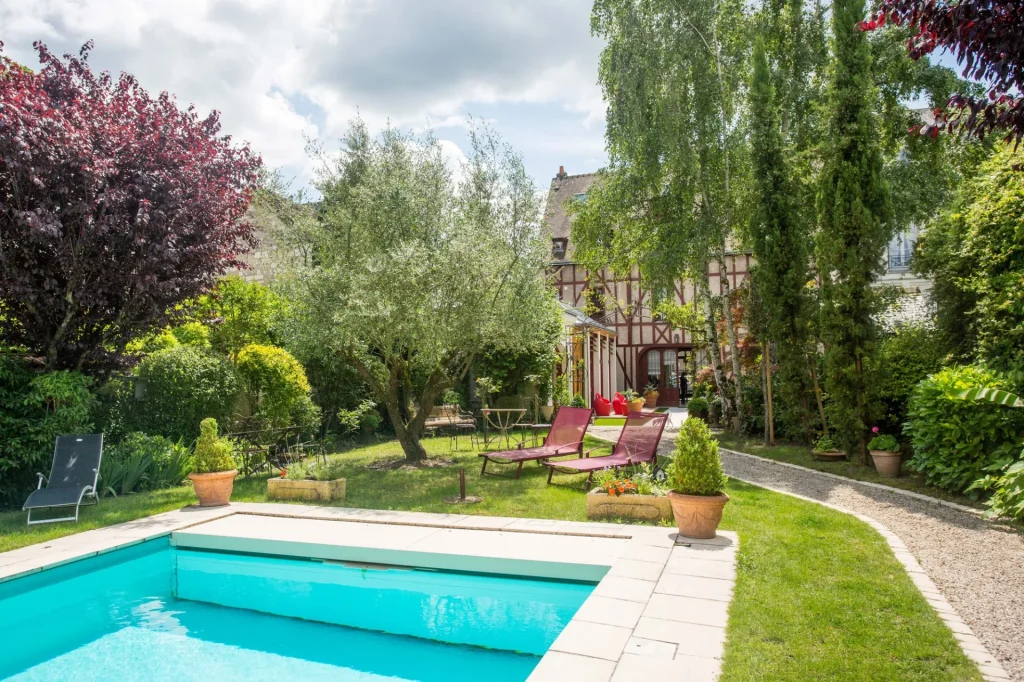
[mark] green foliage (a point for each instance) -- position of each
(317, 471)
(152, 343)
(779, 235)
(956, 441)
(212, 454)
(696, 468)
(824, 444)
(514, 369)
(414, 274)
(363, 419)
(1007, 488)
(854, 210)
(181, 385)
(242, 313)
(192, 334)
(884, 442)
(35, 408)
(977, 256)
(141, 462)
(453, 397)
(904, 359)
(485, 386)
(561, 395)
(697, 405)
(578, 401)
(275, 387)
(630, 395)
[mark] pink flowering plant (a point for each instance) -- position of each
(883, 442)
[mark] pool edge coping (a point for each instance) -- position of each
(634, 578)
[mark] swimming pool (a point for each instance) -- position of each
(156, 612)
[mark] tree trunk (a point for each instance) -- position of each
(730, 332)
(764, 393)
(770, 406)
(704, 291)
(817, 394)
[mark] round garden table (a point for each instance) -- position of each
(503, 420)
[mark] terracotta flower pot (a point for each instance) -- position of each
(697, 516)
(651, 399)
(214, 490)
(636, 405)
(887, 463)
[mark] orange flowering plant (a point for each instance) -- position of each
(623, 486)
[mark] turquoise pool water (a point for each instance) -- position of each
(153, 612)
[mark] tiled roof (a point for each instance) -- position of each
(562, 190)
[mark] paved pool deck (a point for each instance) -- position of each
(659, 609)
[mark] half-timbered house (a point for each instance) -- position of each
(647, 350)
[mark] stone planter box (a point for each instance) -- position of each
(285, 489)
(647, 507)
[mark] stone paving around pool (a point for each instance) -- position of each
(660, 608)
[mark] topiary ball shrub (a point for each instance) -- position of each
(181, 386)
(956, 440)
(697, 468)
(213, 454)
(276, 387)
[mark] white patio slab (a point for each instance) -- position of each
(659, 607)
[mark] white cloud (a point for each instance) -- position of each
(279, 71)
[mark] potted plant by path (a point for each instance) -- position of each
(885, 453)
(651, 396)
(633, 400)
(215, 472)
(697, 407)
(313, 482)
(826, 451)
(697, 481)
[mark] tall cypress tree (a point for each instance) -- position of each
(854, 210)
(779, 239)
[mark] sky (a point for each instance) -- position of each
(283, 72)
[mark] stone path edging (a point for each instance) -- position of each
(870, 484)
(990, 667)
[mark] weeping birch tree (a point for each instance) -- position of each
(413, 272)
(672, 73)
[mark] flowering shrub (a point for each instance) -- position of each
(620, 487)
(883, 442)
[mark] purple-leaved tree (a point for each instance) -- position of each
(114, 206)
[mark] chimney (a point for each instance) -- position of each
(562, 175)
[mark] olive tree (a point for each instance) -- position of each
(415, 271)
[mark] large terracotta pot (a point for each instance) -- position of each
(651, 399)
(697, 516)
(214, 490)
(887, 463)
(636, 405)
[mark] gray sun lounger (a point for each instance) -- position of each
(73, 477)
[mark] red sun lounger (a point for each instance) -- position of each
(564, 438)
(638, 443)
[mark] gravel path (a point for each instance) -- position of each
(978, 566)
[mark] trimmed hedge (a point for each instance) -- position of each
(955, 440)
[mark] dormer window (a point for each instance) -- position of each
(558, 246)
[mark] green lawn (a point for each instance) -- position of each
(819, 596)
(801, 455)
